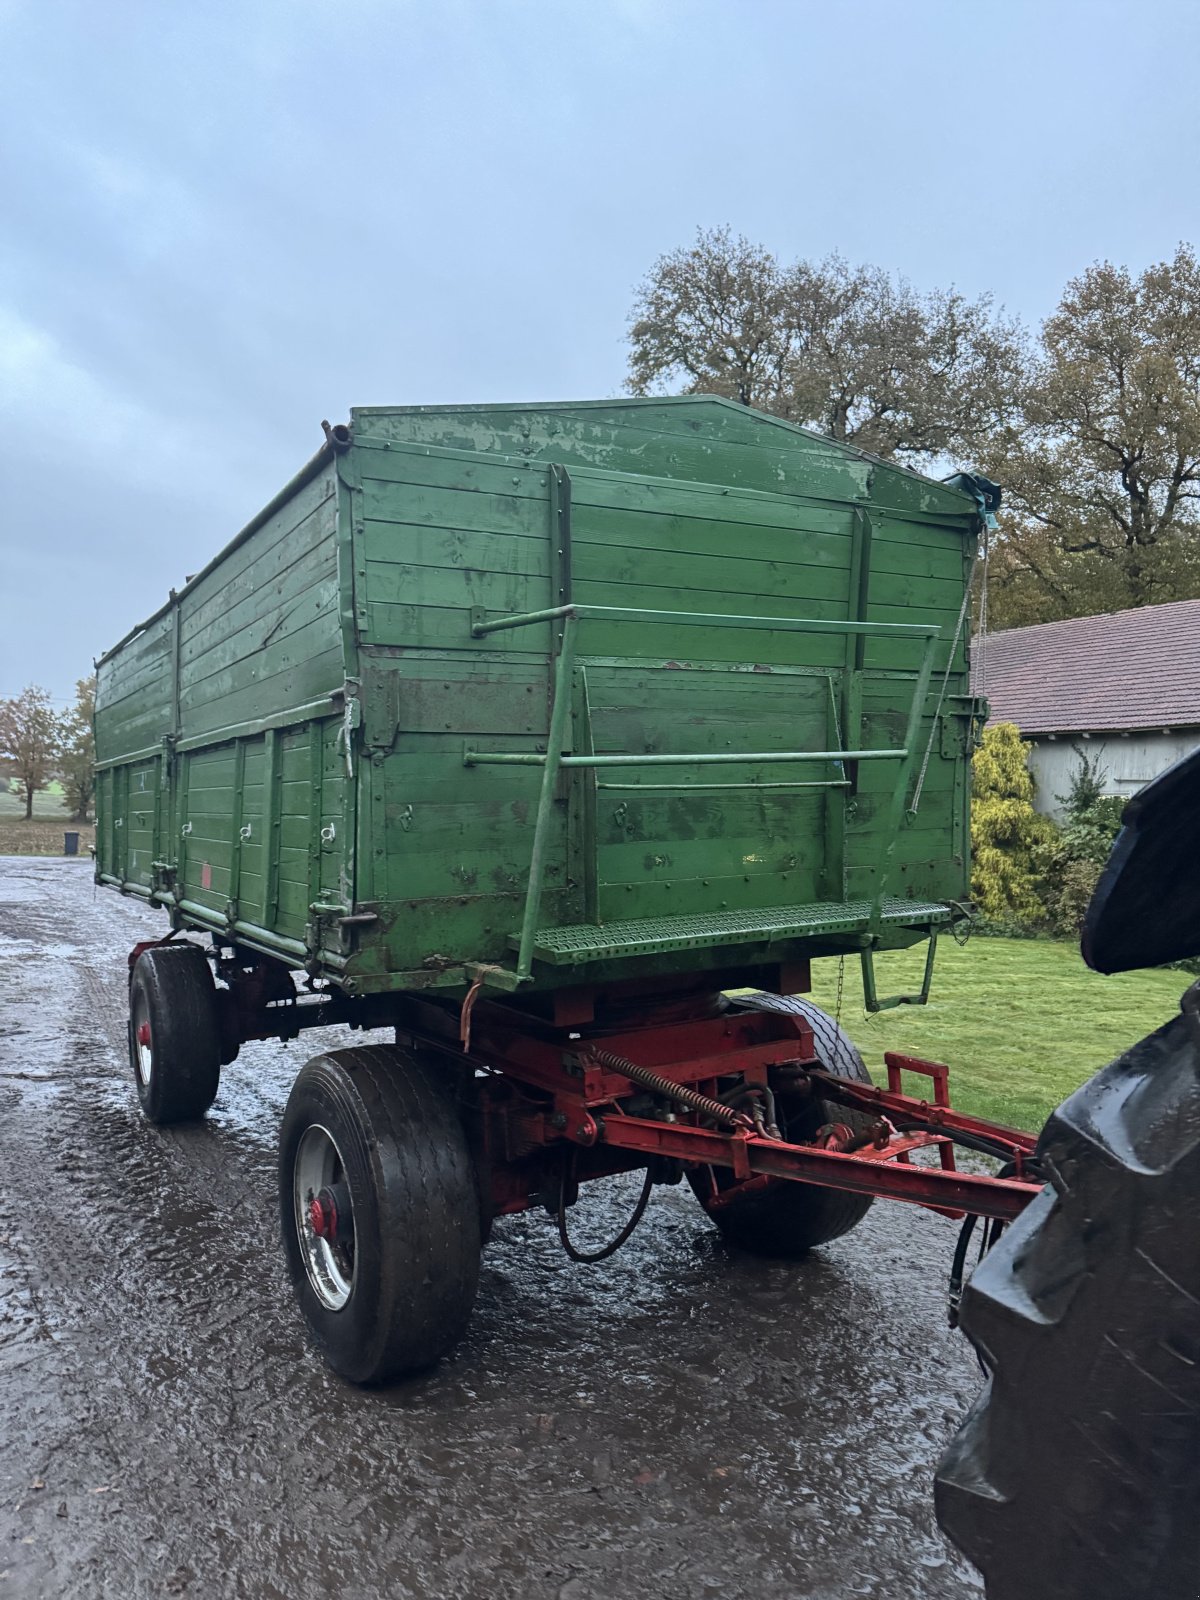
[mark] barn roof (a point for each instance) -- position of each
(1124, 670)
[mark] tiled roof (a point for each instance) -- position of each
(1129, 669)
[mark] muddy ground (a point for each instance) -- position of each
(677, 1422)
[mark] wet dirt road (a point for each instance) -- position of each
(676, 1422)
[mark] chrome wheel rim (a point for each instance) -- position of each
(328, 1261)
(143, 1045)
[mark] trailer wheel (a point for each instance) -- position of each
(786, 1221)
(380, 1211)
(174, 1032)
(1078, 1471)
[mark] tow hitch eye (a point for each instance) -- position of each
(329, 1215)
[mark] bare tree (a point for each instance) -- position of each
(851, 351)
(30, 741)
(1102, 478)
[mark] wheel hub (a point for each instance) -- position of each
(324, 1213)
(328, 1214)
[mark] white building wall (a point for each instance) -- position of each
(1130, 760)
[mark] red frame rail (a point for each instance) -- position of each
(541, 1091)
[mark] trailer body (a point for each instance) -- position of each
(335, 747)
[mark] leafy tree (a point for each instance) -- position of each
(849, 350)
(78, 754)
(30, 741)
(1006, 832)
(1101, 470)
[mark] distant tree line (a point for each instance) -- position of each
(39, 745)
(1091, 425)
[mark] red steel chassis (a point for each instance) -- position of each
(553, 1101)
(542, 1088)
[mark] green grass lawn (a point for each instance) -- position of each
(47, 802)
(1020, 1022)
(43, 835)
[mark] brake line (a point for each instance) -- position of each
(589, 1257)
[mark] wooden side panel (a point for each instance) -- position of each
(665, 847)
(263, 826)
(135, 693)
(443, 534)
(142, 824)
(259, 635)
(448, 536)
(241, 803)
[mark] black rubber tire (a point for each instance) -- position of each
(1077, 1474)
(172, 990)
(460, 1087)
(416, 1215)
(788, 1220)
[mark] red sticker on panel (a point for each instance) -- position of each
(206, 876)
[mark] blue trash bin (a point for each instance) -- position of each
(70, 844)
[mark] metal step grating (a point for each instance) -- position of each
(592, 942)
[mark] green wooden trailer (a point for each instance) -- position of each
(512, 710)
(359, 741)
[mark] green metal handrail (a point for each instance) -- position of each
(708, 619)
(535, 758)
(553, 759)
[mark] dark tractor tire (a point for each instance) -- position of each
(174, 1033)
(387, 1268)
(1077, 1474)
(789, 1219)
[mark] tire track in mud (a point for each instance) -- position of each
(678, 1422)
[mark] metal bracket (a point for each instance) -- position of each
(871, 995)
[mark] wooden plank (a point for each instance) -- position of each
(725, 574)
(264, 560)
(671, 443)
(264, 640)
(296, 683)
(454, 546)
(460, 471)
(628, 494)
(671, 897)
(461, 587)
(305, 590)
(456, 507)
(316, 500)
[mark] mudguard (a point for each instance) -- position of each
(1146, 908)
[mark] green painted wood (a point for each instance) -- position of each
(324, 679)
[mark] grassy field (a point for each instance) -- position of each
(43, 834)
(1020, 1022)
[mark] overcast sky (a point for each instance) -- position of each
(220, 223)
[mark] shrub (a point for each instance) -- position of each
(1007, 834)
(1086, 786)
(1071, 864)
